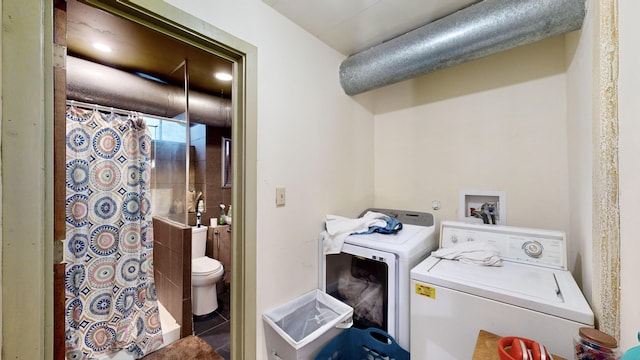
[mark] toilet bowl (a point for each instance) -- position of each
(205, 274)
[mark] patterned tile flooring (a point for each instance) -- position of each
(215, 328)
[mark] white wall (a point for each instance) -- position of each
(629, 147)
(498, 123)
(581, 93)
(433, 136)
(312, 139)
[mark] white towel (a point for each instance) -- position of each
(471, 252)
(338, 228)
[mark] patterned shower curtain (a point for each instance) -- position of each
(111, 301)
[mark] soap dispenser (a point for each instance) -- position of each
(200, 208)
(222, 215)
(633, 353)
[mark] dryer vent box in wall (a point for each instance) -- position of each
(475, 203)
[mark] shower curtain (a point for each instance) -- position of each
(111, 301)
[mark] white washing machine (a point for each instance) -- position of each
(371, 273)
(532, 295)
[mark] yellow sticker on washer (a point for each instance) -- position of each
(425, 290)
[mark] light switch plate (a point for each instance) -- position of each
(280, 197)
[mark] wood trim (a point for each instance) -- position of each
(59, 172)
(58, 312)
(59, 106)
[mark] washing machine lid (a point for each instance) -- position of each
(529, 281)
(204, 266)
(550, 291)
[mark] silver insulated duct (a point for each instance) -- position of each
(479, 30)
(103, 85)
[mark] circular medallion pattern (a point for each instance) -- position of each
(73, 313)
(145, 174)
(106, 143)
(145, 146)
(142, 295)
(78, 140)
(105, 175)
(131, 207)
(156, 343)
(99, 336)
(133, 175)
(129, 269)
(104, 240)
(104, 208)
(74, 278)
(77, 210)
(100, 304)
(131, 144)
(126, 300)
(101, 273)
(77, 245)
(77, 175)
(153, 321)
(130, 238)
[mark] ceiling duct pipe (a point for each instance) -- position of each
(479, 30)
(98, 84)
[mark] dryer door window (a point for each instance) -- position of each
(365, 280)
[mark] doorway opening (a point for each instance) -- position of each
(168, 74)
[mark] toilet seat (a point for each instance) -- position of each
(205, 266)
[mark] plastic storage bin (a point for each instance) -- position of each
(368, 344)
(301, 327)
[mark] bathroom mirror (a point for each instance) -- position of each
(226, 162)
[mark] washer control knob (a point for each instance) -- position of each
(454, 238)
(532, 249)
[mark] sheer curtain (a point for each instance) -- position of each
(111, 301)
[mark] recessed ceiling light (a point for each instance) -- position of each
(102, 47)
(223, 76)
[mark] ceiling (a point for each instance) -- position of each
(347, 26)
(355, 25)
(136, 48)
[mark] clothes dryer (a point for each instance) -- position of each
(532, 295)
(371, 273)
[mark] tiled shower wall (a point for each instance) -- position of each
(216, 194)
(172, 270)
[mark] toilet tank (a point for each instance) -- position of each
(198, 241)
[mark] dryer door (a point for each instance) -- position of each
(366, 280)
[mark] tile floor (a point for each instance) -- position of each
(215, 328)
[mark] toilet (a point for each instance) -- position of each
(205, 273)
